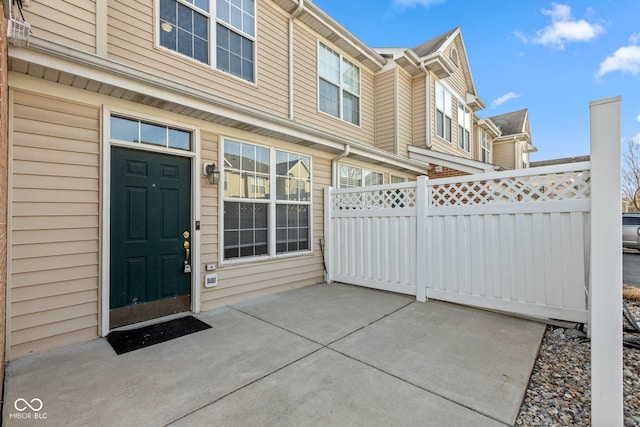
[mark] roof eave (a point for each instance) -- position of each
(318, 20)
(439, 64)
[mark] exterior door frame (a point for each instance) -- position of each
(194, 155)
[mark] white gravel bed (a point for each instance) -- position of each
(559, 389)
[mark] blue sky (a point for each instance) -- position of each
(552, 58)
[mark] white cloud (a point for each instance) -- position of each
(636, 138)
(635, 38)
(638, 118)
(563, 29)
(413, 3)
(626, 60)
(504, 98)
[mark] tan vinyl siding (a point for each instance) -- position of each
(55, 204)
(457, 80)
(458, 84)
(244, 280)
(385, 111)
(131, 28)
(440, 144)
(209, 203)
(306, 92)
(405, 119)
(504, 155)
(68, 22)
(419, 111)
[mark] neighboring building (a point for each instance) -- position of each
(512, 148)
(118, 107)
(562, 161)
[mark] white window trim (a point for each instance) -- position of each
(466, 126)
(340, 86)
(485, 148)
(446, 89)
(392, 176)
(213, 20)
(272, 201)
(362, 171)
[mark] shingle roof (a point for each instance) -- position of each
(433, 45)
(511, 123)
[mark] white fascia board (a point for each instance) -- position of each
(449, 160)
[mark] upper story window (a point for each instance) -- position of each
(354, 176)
(485, 148)
(338, 85)
(464, 128)
(443, 112)
(525, 160)
(220, 35)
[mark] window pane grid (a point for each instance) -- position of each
(443, 112)
(247, 228)
(292, 230)
(186, 28)
(141, 132)
(247, 171)
(338, 86)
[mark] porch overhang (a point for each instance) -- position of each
(431, 157)
(60, 64)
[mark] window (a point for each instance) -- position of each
(443, 112)
(353, 176)
(338, 86)
(397, 179)
(191, 27)
(486, 148)
(254, 190)
(141, 132)
(464, 127)
(525, 159)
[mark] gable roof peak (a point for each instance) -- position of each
(511, 123)
(435, 44)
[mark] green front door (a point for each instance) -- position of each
(150, 235)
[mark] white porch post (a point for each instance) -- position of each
(421, 240)
(606, 264)
(328, 233)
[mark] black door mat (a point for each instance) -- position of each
(135, 339)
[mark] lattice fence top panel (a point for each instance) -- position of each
(397, 198)
(573, 185)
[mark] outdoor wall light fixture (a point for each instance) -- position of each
(212, 172)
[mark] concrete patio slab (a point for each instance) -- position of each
(325, 313)
(326, 388)
(91, 385)
(480, 359)
(277, 362)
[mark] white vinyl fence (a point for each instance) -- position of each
(515, 241)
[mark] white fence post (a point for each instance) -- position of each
(421, 240)
(328, 235)
(606, 264)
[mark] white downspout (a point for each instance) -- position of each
(334, 165)
(291, 18)
(427, 94)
